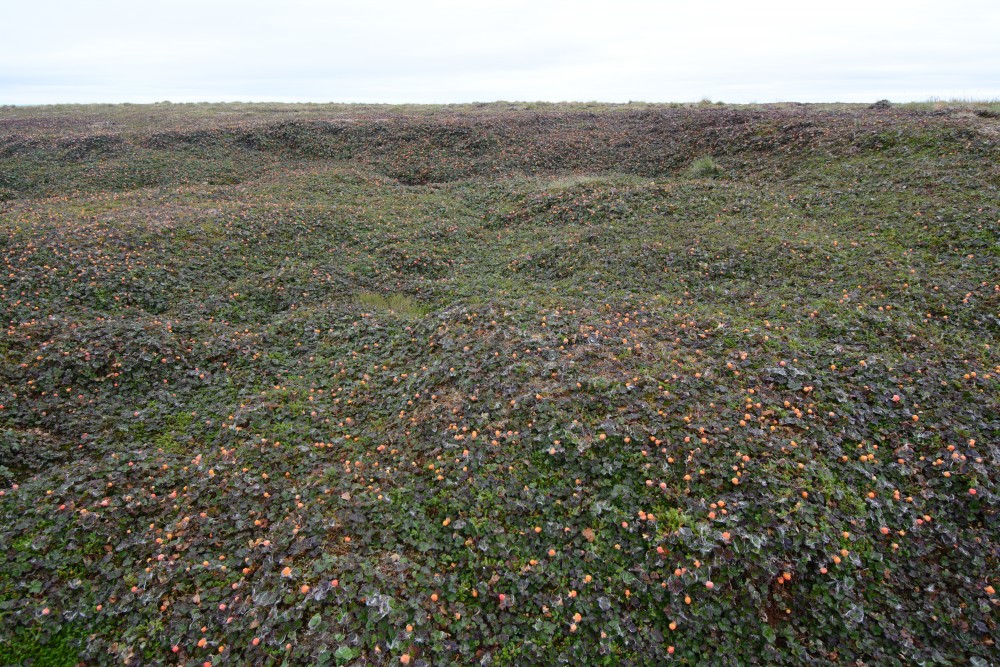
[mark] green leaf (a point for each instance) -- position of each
(345, 654)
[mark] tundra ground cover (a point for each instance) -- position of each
(324, 385)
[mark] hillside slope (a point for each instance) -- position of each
(499, 386)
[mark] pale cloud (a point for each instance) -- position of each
(482, 50)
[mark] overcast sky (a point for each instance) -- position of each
(55, 51)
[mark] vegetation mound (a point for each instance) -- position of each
(497, 385)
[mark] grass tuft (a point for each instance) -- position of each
(704, 167)
(397, 304)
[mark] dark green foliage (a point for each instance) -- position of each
(469, 375)
(34, 648)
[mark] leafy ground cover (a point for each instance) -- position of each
(499, 385)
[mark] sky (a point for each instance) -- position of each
(447, 51)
